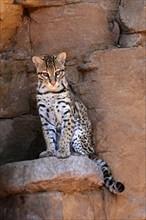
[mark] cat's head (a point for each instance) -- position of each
(51, 70)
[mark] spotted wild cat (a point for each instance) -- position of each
(65, 122)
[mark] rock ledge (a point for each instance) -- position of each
(76, 173)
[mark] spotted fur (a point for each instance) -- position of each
(65, 122)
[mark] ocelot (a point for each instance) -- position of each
(65, 122)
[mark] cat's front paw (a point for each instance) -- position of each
(63, 153)
(46, 154)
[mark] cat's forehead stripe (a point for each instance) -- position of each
(49, 61)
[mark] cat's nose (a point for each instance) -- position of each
(53, 83)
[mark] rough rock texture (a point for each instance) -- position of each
(53, 206)
(118, 115)
(66, 27)
(49, 174)
(132, 15)
(7, 24)
(17, 85)
(14, 89)
(133, 40)
(72, 183)
(109, 7)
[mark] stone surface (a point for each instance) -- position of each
(133, 40)
(65, 28)
(76, 173)
(45, 3)
(13, 88)
(118, 115)
(132, 16)
(53, 206)
(110, 7)
(10, 18)
(20, 139)
(115, 31)
(18, 82)
(22, 37)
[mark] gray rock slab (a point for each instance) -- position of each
(76, 173)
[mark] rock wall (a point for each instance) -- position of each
(105, 45)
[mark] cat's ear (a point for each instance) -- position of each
(37, 61)
(62, 57)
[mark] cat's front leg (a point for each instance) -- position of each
(50, 146)
(65, 139)
(49, 132)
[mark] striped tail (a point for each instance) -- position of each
(109, 182)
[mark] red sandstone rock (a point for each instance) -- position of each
(10, 18)
(53, 206)
(65, 28)
(114, 91)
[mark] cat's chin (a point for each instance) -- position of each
(53, 88)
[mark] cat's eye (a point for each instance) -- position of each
(45, 75)
(57, 73)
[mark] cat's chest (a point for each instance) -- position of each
(56, 106)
